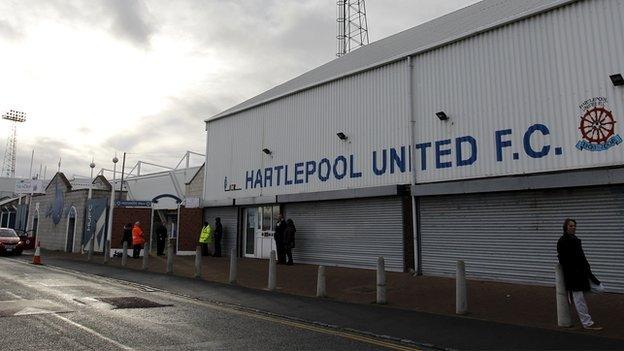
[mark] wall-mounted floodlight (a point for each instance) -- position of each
(442, 116)
(617, 79)
(342, 136)
(266, 151)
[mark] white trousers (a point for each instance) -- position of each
(581, 308)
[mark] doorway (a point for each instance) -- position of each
(258, 230)
(71, 230)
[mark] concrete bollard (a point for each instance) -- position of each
(461, 300)
(170, 256)
(198, 261)
(272, 271)
(107, 251)
(321, 290)
(381, 281)
(124, 254)
(564, 317)
(233, 268)
(91, 248)
(145, 265)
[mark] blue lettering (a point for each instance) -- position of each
(325, 162)
(440, 152)
(500, 144)
(310, 169)
(376, 169)
(343, 160)
(268, 177)
(286, 180)
(249, 178)
(527, 141)
(298, 172)
(353, 174)
(278, 169)
(395, 159)
(423, 154)
(458, 150)
(258, 182)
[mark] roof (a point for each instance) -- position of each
(200, 169)
(63, 179)
(469, 21)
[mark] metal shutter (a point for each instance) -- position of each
(349, 233)
(513, 236)
(229, 219)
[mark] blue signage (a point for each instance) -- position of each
(132, 203)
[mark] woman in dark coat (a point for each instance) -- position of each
(576, 271)
(127, 235)
(289, 240)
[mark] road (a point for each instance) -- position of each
(49, 308)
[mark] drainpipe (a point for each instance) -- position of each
(415, 202)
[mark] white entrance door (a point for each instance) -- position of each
(258, 231)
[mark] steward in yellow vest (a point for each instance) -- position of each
(205, 238)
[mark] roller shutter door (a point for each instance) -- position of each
(513, 236)
(229, 219)
(349, 233)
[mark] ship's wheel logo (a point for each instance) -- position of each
(597, 126)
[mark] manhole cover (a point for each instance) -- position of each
(130, 302)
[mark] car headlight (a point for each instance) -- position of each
(19, 242)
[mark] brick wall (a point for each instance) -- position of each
(122, 215)
(191, 221)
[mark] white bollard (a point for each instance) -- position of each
(272, 271)
(461, 300)
(198, 261)
(145, 265)
(321, 290)
(91, 248)
(381, 281)
(564, 317)
(107, 251)
(233, 268)
(124, 254)
(170, 256)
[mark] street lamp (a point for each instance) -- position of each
(109, 232)
(92, 243)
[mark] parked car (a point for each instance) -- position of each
(10, 243)
(27, 237)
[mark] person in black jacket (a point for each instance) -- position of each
(127, 235)
(289, 240)
(280, 227)
(161, 238)
(218, 235)
(577, 273)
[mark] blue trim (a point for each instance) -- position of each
(178, 200)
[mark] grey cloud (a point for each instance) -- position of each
(131, 20)
(8, 31)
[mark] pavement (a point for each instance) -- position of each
(419, 309)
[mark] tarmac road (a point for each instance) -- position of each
(47, 308)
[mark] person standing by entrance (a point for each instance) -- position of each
(577, 273)
(205, 238)
(218, 235)
(280, 227)
(161, 237)
(127, 235)
(289, 240)
(138, 239)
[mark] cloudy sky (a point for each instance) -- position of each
(97, 77)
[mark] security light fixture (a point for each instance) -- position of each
(342, 136)
(617, 79)
(266, 151)
(442, 116)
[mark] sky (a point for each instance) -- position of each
(103, 77)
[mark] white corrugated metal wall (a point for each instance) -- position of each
(229, 220)
(349, 233)
(538, 70)
(513, 236)
(370, 108)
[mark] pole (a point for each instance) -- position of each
(124, 255)
(109, 232)
(198, 261)
(123, 170)
(92, 239)
(170, 256)
(321, 290)
(272, 271)
(233, 268)
(461, 301)
(32, 156)
(381, 281)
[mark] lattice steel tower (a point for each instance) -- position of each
(352, 25)
(8, 166)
